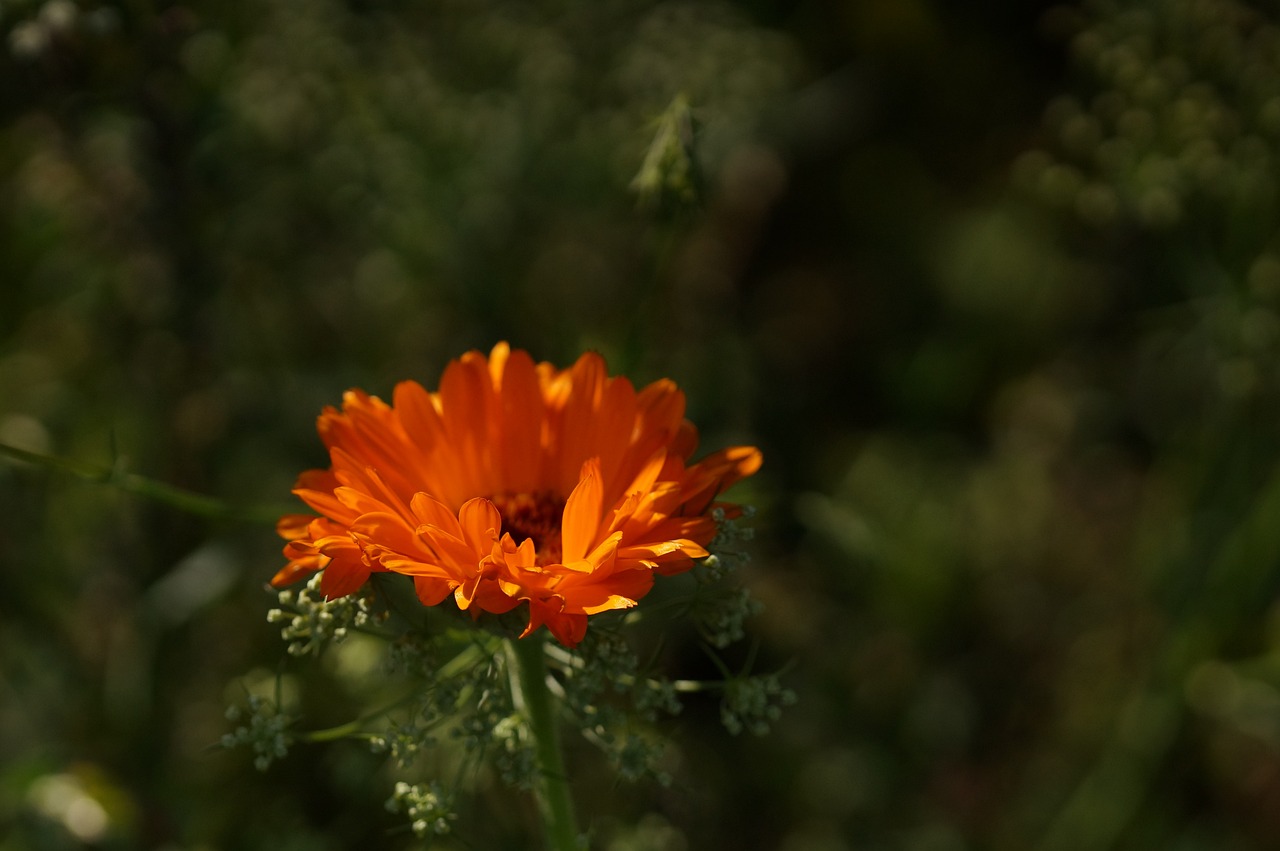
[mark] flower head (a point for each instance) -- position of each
(514, 483)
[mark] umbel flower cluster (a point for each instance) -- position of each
(517, 496)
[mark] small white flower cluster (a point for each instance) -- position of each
(427, 807)
(402, 741)
(652, 696)
(435, 704)
(718, 609)
(636, 755)
(468, 695)
(604, 662)
(728, 552)
(310, 621)
(266, 730)
(720, 617)
(416, 656)
(752, 703)
(511, 744)
(614, 703)
(491, 728)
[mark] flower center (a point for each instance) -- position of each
(533, 517)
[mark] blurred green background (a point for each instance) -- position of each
(995, 286)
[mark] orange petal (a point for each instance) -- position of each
(429, 511)
(648, 475)
(661, 406)
(383, 531)
(323, 501)
(498, 361)
(522, 424)
(622, 591)
(490, 598)
(685, 441)
(364, 479)
(465, 391)
(568, 629)
(452, 552)
(578, 424)
(296, 570)
(716, 472)
(582, 512)
(417, 413)
(291, 527)
(481, 523)
(357, 501)
(343, 576)
(599, 560)
(613, 424)
(432, 591)
(655, 551)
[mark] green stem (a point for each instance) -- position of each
(356, 727)
(464, 661)
(532, 699)
(184, 500)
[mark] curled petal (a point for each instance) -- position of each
(480, 523)
(716, 472)
(582, 513)
(298, 568)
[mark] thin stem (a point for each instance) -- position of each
(569, 663)
(355, 728)
(185, 500)
(532, 699)
(466, 659)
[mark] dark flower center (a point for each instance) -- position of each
(533, 517)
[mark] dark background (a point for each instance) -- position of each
(995, 287)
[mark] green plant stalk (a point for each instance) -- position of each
(179, 498)
(532, 698)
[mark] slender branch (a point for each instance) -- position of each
(180, 498)
(569, 663)
(532, 699)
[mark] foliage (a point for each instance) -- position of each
(995, 289)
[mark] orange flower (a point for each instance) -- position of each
(514, 483)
